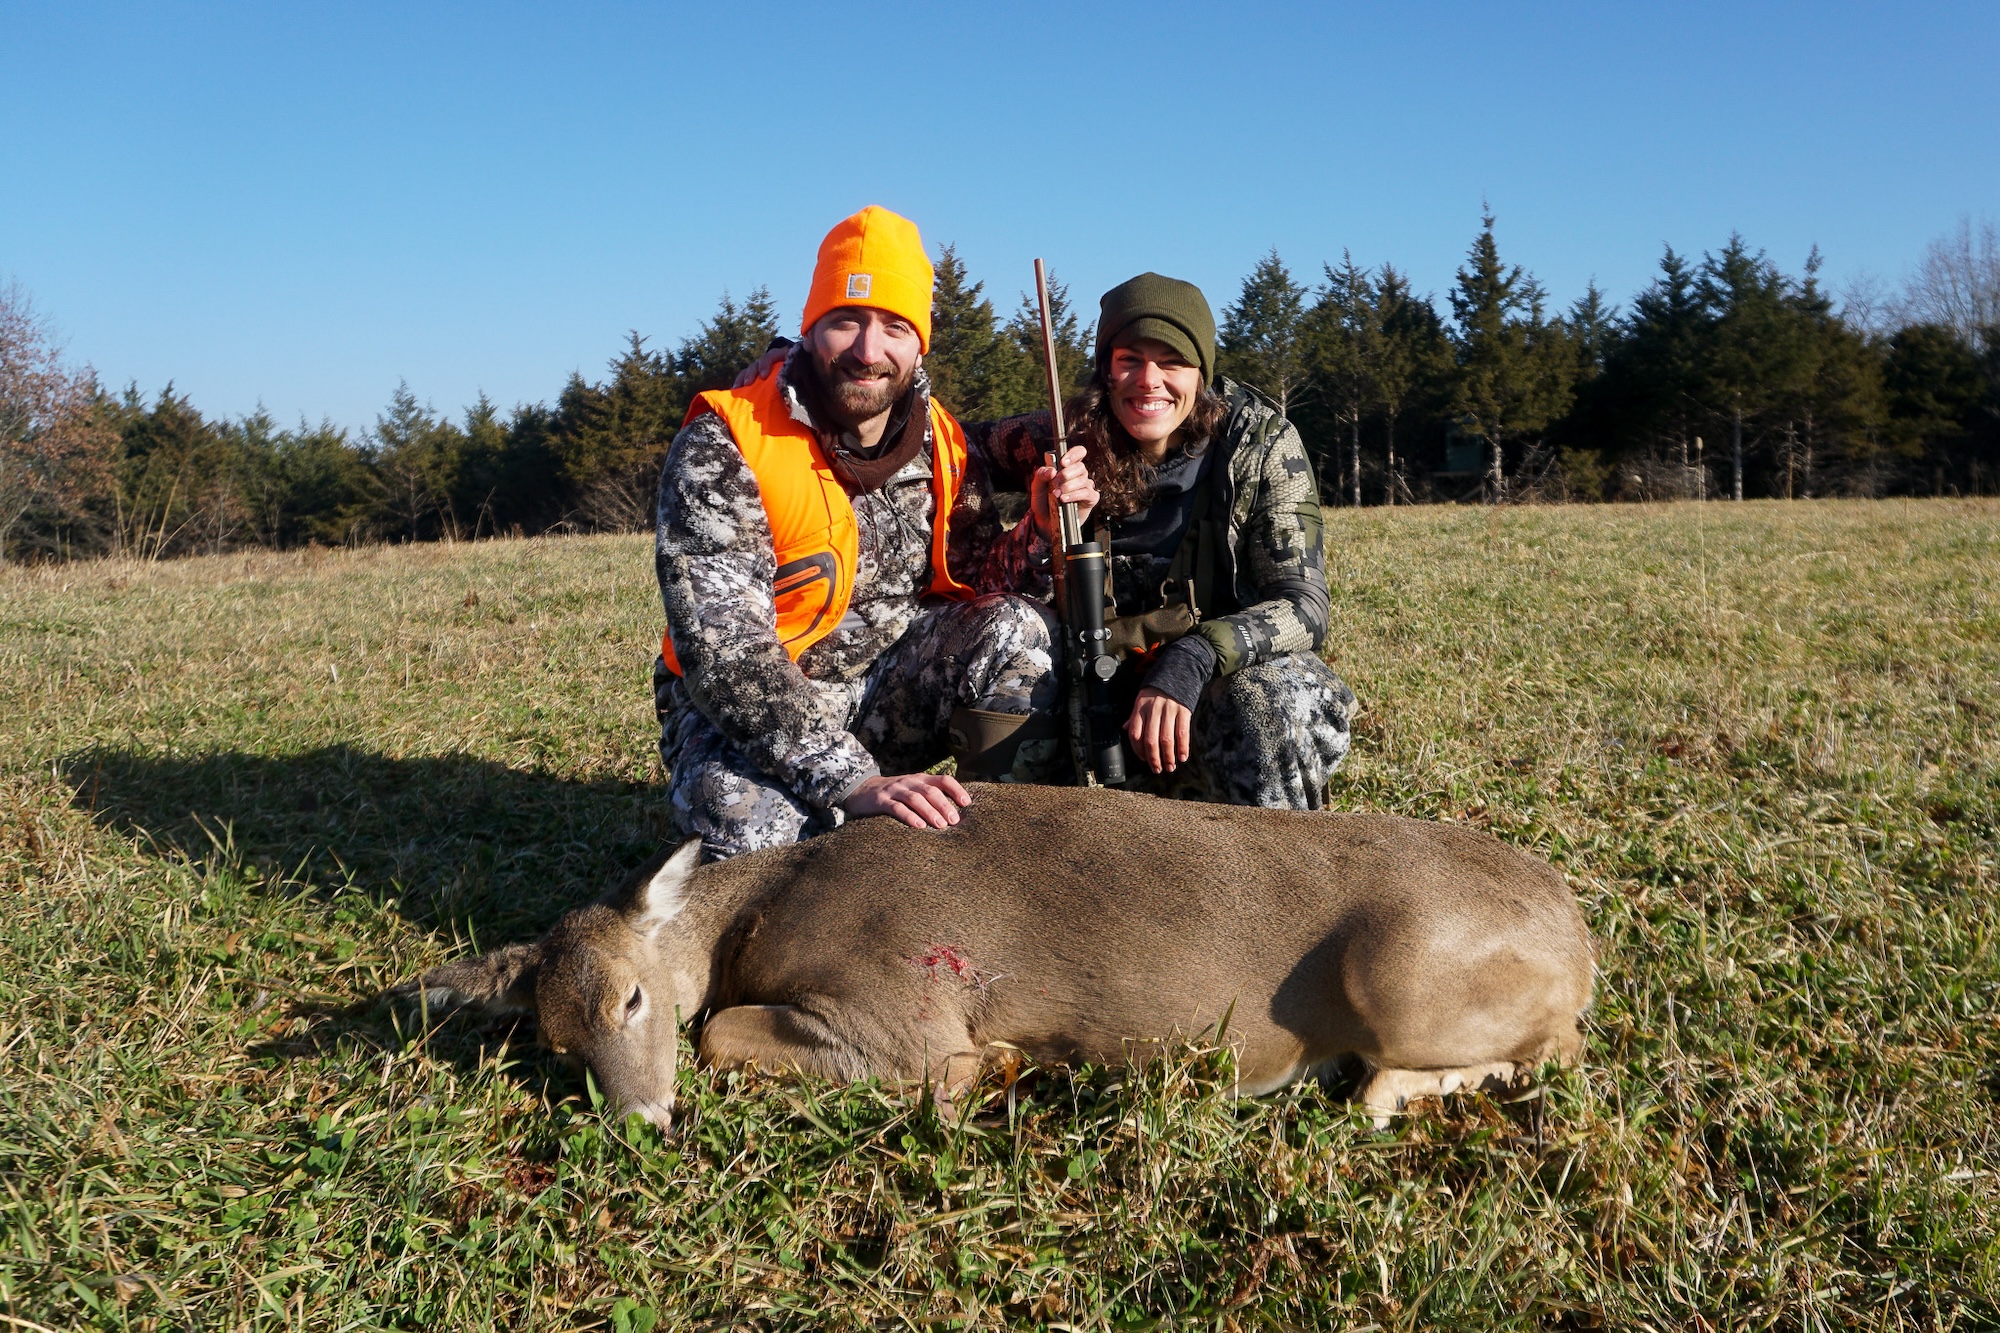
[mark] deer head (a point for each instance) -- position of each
(601, 985)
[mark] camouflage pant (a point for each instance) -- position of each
(1271, 734)
(993, 652)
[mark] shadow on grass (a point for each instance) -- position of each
(459, 843)
(374, 1025)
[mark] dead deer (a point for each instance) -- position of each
(1074, 925)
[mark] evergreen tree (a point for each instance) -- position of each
(175, 473)
(300, 486)
(418, 456)
(1593, 322)
(1341, 334)
(1982, 456)
(1837, 401)
(1935, 393)
(1649, 397)
(1592, 325)
(1263, 339)
(256, 440)
(609, 438)
(327, 491)
(531, 494)
(482, 472)
(1411, 357)
(1516, 371)
(1757, 352)
(1019, 382)
(967, 360)
(729, 341)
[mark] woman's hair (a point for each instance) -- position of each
(1124, 478)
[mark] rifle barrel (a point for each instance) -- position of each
(1072, 526)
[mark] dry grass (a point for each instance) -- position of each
(244, 793)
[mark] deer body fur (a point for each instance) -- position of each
(1075, 925)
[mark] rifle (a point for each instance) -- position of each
(1081, 578)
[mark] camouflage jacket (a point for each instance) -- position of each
(1274, 558)
(714, 556)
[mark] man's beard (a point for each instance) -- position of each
(852, 401)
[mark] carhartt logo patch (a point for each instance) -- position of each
(859, 284)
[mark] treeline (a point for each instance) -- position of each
(172, 482)
(1726, 378)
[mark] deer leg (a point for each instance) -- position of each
(779, 1037)
(1389, 1091)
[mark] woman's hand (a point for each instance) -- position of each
(1072, 486)
(1159, 729)
(763, 366)
(921, 800)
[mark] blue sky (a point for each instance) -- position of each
(300, 206)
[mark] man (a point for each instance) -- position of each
(822, 634)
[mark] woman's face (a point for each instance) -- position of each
(1153, 388)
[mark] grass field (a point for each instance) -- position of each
(242, 794)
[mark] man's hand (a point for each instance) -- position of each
(921, 800)
(763, 366)
(1074, 486)
(1159, 728)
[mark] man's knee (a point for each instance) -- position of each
(1005, 650)
(718, 796)
(1003, 621)
(1002, 649)
(732, 815)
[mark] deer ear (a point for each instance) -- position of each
(500, 982)
(656, 896)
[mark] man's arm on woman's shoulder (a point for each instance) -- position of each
(986, 554)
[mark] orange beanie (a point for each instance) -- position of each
(875, 258)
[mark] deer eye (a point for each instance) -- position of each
(638, 998)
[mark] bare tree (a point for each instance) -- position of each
(1957, 283)
(54, 456)
(1868, 306)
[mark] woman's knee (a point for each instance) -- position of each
(1272, 692)
(1283, 722)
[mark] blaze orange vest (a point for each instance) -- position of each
(813, 532)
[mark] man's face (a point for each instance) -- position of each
(866, 359)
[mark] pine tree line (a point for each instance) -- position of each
(1728, 378)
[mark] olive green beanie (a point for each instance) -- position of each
(1166, 309)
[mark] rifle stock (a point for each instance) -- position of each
(1082, 577)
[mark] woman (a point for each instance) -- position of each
(1217, 565)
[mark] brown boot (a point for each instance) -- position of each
(987, 745)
